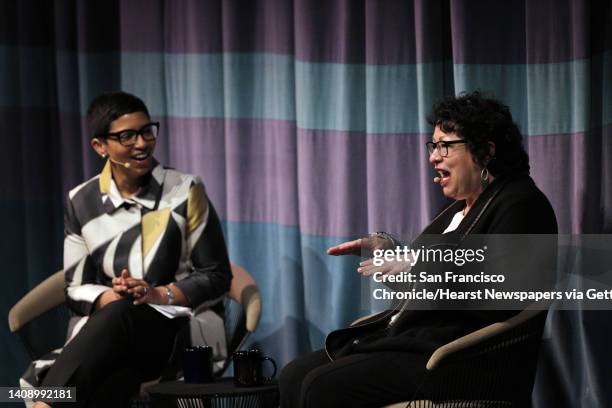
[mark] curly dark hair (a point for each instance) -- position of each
(480, 120)
(109, 106)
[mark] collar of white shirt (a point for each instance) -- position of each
(148, 196)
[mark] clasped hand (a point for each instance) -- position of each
(140, 290)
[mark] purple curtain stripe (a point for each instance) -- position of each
(327, 183)
(372, 31)
(582, 192)
(346, 183)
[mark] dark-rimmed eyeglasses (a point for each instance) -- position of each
(441, 146)
(129, 137)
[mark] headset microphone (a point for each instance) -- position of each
(437, 179)
(126, 165)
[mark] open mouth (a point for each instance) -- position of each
(444, 176)
(140, 157)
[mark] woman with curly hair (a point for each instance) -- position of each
(476, 150)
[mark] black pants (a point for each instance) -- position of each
(359, 380)
(120, 346)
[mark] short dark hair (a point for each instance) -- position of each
(109, 106)
(480, 120)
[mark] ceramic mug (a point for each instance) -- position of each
(248, 368)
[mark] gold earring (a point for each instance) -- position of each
(484, 177)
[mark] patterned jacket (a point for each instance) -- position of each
(167, 232)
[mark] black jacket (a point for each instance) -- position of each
(509, 205)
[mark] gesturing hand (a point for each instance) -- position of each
(365, 247)
(346, 248)
(361, 247)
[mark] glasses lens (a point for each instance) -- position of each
(128, 137)
(149, 132)
(440, 146)
(430, 147)
(443, 149)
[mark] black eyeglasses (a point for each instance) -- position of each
(128, 137)
(441, 146)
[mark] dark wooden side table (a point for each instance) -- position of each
(222, 393)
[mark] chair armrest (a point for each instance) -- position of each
(244, 290)
(48, 294)
(251, 302)
(478, 337)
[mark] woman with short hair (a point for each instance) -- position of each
(143, 246)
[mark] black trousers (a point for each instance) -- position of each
(368, 379)
(120, 346)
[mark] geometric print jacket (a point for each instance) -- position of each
(168, 232)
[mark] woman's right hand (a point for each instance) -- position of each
(119, 283)
(118, 291)
(361, 247)
(346, 248)
(365, 247)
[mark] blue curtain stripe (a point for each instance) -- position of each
(552, 98)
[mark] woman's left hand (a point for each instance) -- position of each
(367, 267)
(143, 292)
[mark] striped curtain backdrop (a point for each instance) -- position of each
(306, 121)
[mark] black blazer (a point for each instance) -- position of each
(509, 205)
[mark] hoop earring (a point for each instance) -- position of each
(484, 177)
